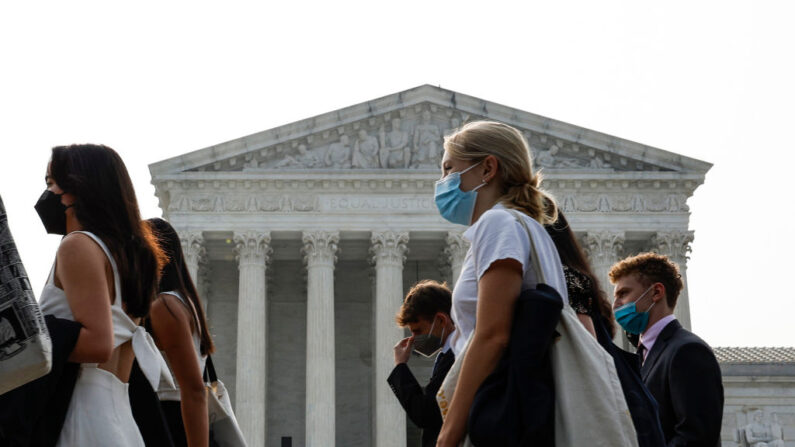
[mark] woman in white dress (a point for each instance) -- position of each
(104, 277)
(486, 171)
(179, 327)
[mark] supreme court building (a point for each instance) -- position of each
(304, 238)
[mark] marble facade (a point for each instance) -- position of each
(304, 239)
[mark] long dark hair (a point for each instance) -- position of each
(572, 255)
(177, 278)
(105, 205)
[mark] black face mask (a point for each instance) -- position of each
(52, 212)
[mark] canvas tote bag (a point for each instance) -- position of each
(224, 431)
(25, 345)
(590, 409)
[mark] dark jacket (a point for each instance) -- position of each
(33, 414)
(642, 406)
(420, 404)
(683, 375)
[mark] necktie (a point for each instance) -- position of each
(642, 353)
(436, 363)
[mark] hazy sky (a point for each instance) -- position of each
(710, 80)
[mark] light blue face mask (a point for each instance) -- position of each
(630, 319)
(453, 204)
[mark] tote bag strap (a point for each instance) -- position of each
(534, 260)
(209, 371)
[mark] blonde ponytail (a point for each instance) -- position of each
(521, 185)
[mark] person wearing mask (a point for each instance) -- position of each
(679, 368)
(179, 327)
(595, 312)
(104, 277)
(487, 170)
(585, 296)
(426, 312)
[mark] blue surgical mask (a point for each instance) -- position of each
(453, 204)
(630, 319)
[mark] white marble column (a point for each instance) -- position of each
(455, 252)
(195, 252)
(320, 254)
(253, 252)
(605, 248)
(388, 249)
(676, 245)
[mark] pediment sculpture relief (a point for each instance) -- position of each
(410, 138)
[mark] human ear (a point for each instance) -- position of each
(659, 292)
(490, 166)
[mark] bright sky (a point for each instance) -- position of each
(710, 80)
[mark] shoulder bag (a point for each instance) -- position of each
(25, 344)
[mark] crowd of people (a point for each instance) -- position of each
(672, 385)
(130, 338)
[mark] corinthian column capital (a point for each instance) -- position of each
(320, 247)
(252, 247)
(389, 247)
(457, 246)
(193, 247)
(674, 244)
(604, 247)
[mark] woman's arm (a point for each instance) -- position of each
(82, 270)
(171, 324)
(498, 290)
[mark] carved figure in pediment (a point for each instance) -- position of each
(365, 151)
(304, 159)
(546, 159)
(551, 159)
(598, 163)
(760, 433)
(427, 142)
(395, 150)
(338, 154)
(251, 164)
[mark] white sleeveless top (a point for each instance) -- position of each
(53, 302)
(169, 392)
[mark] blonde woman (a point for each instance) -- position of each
(487, 170)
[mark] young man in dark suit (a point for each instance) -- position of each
(426, 312)
(678, 367)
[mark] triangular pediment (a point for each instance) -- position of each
(405, 130)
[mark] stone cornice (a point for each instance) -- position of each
(467, 106)
(409, 180)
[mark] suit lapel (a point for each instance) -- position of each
(658, 347)
(443, 359)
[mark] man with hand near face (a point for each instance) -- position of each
(426, 312)
(679, 368)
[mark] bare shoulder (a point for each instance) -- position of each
(79, 250)
(168, 310)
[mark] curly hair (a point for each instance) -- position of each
(651, 268)
(424, 300)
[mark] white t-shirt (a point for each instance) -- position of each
(498, 235)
